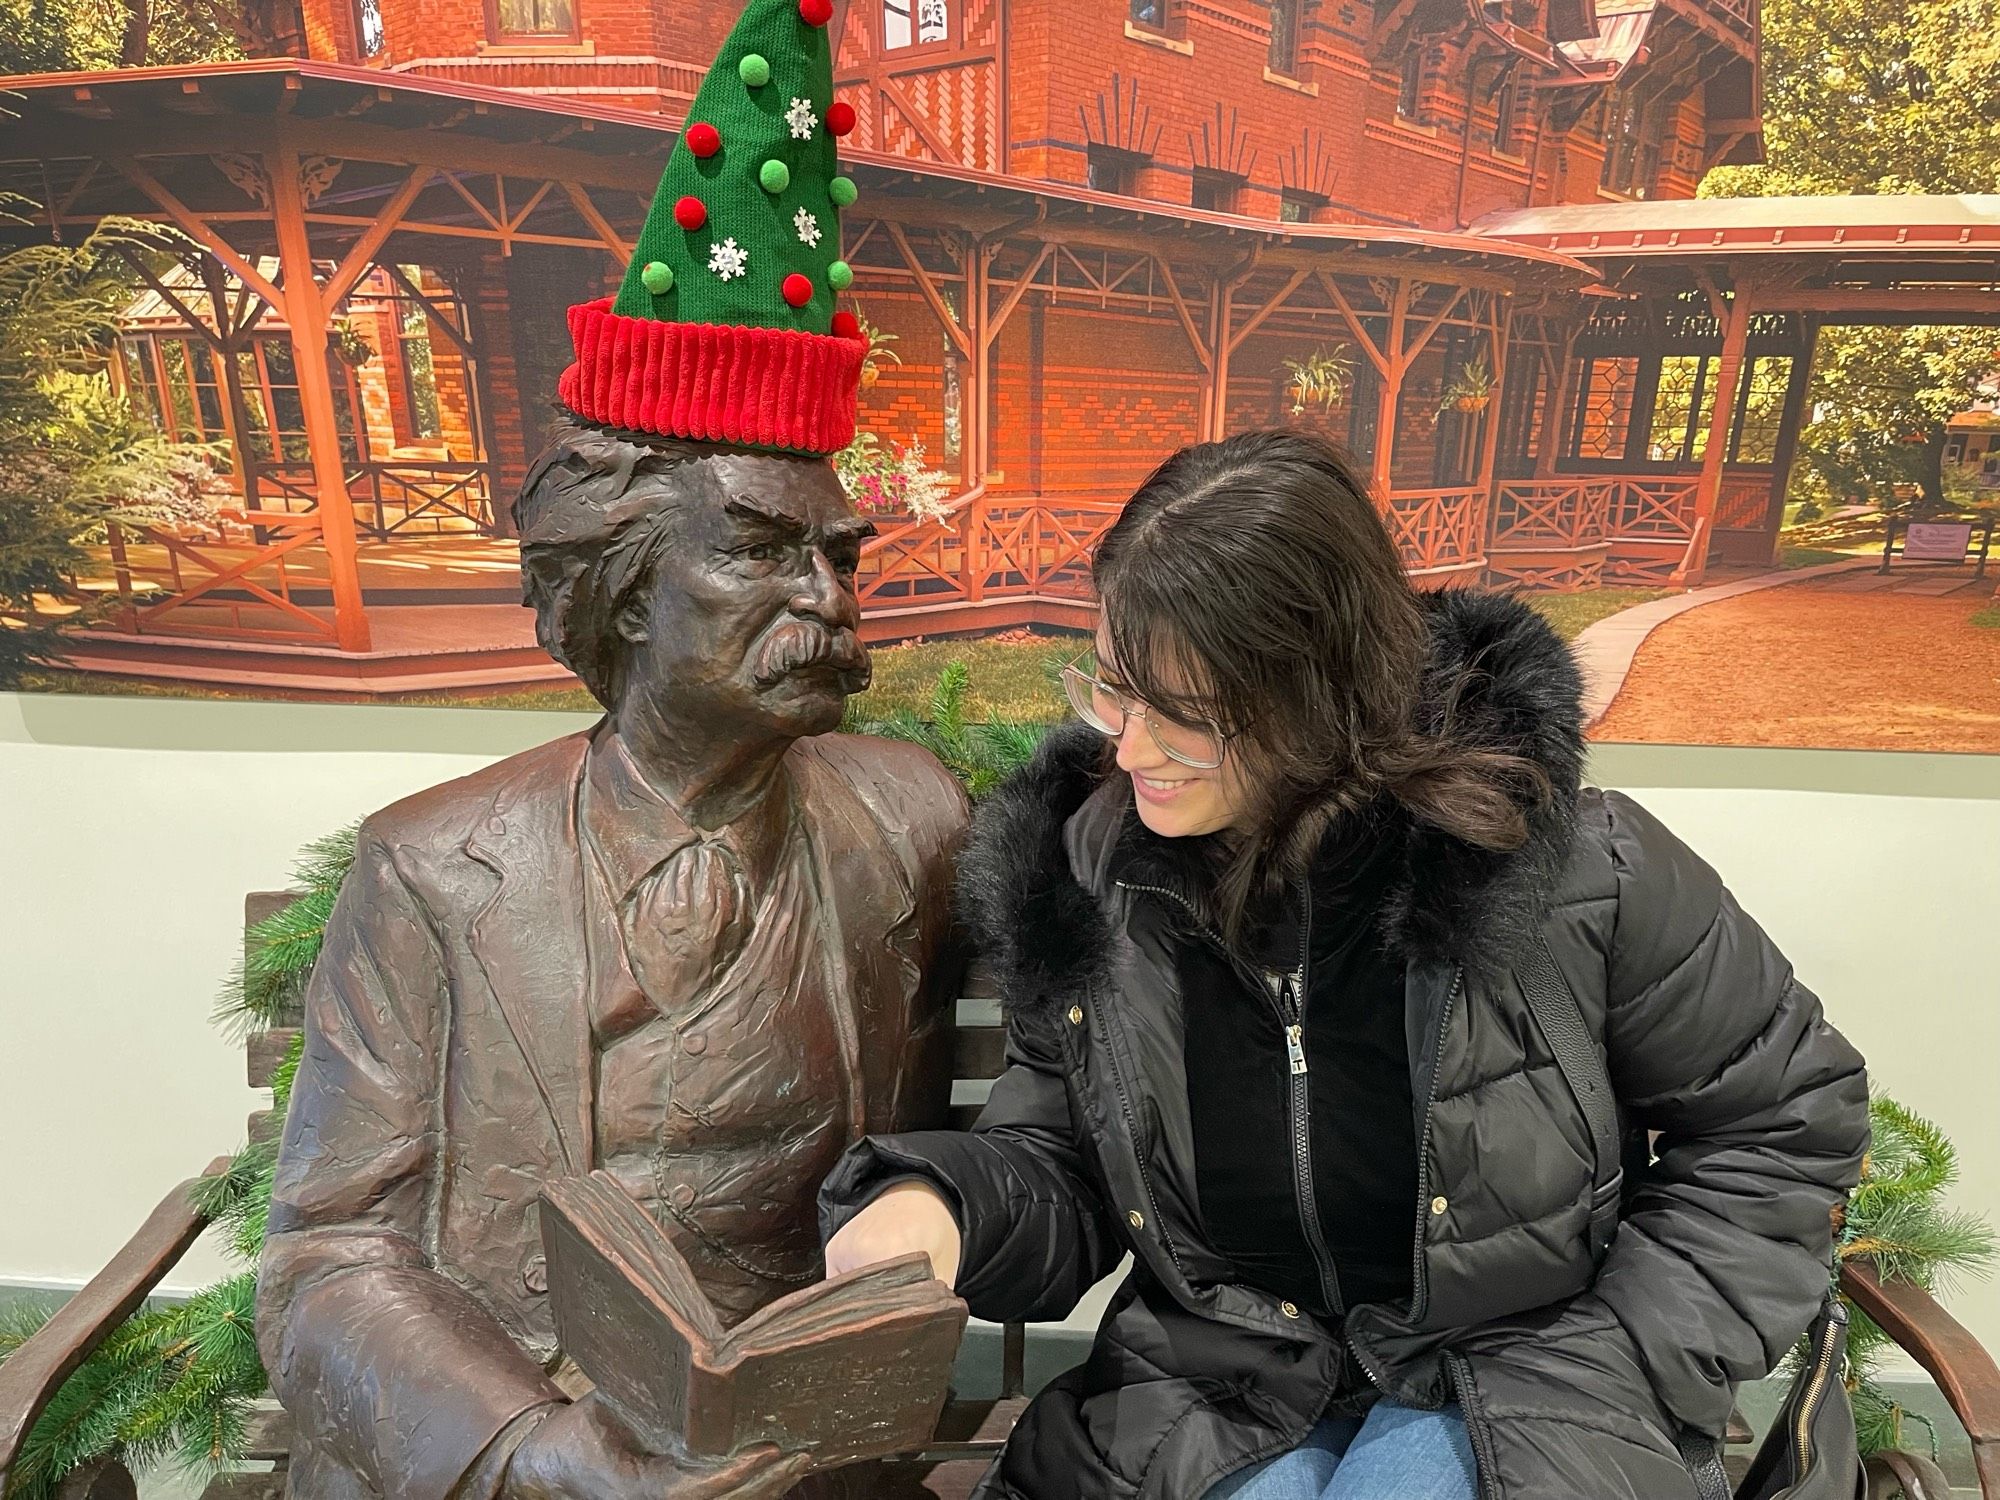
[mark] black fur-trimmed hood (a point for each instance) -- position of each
(1033, 876)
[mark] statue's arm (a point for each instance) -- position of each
(379, 1358)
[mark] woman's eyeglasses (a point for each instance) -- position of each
(1105, 709)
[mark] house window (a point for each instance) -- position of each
(1151, 14)
(368, 27)
(1218, 192)
(1296, 206)
(413, 338)
(534, 19)
(914, 23)
(1631, 146)
(1410, 88)
(1285, 37)
(1506, 112)
(1112, 170)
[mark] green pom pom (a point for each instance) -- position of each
(657, 277)
(754, 70)
(840, 276)
(842, 191)
(775, 176)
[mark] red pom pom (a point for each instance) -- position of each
(840, 117)
(798, 289)
(846, 326)
(690, 212)
(816, 12)
(703, 139)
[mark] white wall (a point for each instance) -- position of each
(130, 829)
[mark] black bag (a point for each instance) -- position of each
(1810, 1452)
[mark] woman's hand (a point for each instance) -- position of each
(905, 1216)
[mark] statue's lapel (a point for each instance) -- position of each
(872, 936)
(529, 940)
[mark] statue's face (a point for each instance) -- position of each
(748, 624)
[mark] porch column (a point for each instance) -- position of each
(1489, 442)
(1708, 489)
(1389, 399)
(1562, 388)
(306, 315)
(1790, 422)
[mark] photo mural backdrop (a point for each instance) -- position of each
(1742, 450)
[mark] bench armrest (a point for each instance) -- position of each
(34, 1372)
(1962, 1368)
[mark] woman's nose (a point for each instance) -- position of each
(1136, 750)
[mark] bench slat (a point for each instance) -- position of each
(265, 1052)
(978, 1052)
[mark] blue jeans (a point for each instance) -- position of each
(1395, 1453)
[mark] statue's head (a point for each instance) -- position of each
(716, 582)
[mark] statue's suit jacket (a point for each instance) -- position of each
(402, 1305)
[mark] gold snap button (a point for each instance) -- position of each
(1136, 1219)
(1289, 1309)
(1076, 1015)
(1439, 1205)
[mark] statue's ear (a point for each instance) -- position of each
(634, 621)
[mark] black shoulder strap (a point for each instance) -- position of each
(1561, 1020)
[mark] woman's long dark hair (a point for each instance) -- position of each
(1251, 583)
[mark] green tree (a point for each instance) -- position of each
(73, 455)
(64, 36)
(1881, 96)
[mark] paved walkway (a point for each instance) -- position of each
(1845, 658)
(1607, 649)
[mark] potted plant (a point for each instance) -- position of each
(350, 344)
(1470, 390)
(878, 350)
(892, 479)
(1321, 379)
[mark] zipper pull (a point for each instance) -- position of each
(1295, 1047)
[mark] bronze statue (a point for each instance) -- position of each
(703, 947)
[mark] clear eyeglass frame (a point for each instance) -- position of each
(1106, 709)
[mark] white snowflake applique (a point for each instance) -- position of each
(802, 120)
(728, 260)
(807, 226)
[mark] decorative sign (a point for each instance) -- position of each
(1937, 541)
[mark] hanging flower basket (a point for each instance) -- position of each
(878, 351)
(350, 344)
(1320, 379)
(1470, 390)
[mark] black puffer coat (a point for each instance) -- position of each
(1574, 1377)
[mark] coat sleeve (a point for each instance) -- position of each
(385, 1365)
(1722, 1258)
(1037, 1233)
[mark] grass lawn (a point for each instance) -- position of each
(1572, 614)
(1987, 618)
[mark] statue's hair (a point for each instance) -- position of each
(589, 542)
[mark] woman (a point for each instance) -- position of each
(1260, 921)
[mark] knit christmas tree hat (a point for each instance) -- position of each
(724, 328)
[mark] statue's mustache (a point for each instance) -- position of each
(799, 646)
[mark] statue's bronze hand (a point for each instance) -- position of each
(581, 1452)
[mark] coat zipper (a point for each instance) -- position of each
(1299, 1106)
(1298, 1079)
(1822, 1369)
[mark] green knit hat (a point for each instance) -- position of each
(724, 327)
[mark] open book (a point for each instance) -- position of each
(852, 1368)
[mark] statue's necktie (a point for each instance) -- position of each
(685, 922)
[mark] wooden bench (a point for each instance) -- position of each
(970, 1431)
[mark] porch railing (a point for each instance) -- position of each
(990, 547)
(1438, 530)
(391, 497)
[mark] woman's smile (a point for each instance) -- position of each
(1155, 790)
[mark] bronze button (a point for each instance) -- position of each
(1289, 1309)
(1136, 1219)
(683, 1196)
(695, 1043)
(1439, 1205)
(1076, 1015)
(535, 1275)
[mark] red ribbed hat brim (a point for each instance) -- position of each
(763, 387)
